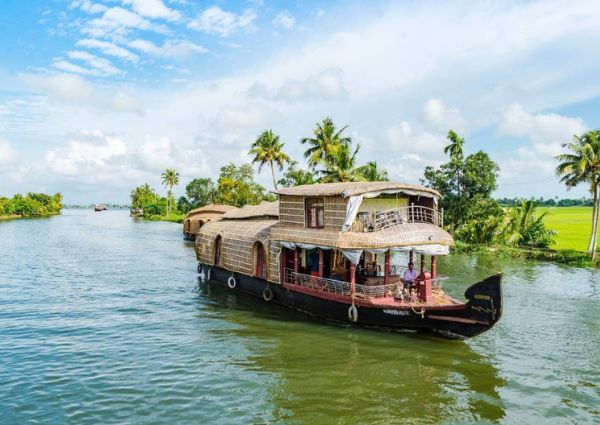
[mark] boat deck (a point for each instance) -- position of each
(379, 296)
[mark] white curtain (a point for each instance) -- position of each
(351, 211)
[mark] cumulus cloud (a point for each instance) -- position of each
(75, 89)
(547, 131)
(8, 154)
(169, 49)
(89, 154)
(326, 85)
(442, 117)
(284, 20)
(153, 9)
(218, 21)
(108, 48)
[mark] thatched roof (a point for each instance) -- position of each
(354, 188)
(263, 210)
(212, 208)
(407, 234)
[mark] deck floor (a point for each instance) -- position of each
(439, 299)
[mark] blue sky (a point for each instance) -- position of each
(99, 96)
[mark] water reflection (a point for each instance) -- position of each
(365, 376)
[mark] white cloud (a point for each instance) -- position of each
(117, 22)
(88, 7)
(326, 85)
(218, 21)
(8, 155)
(88, 155)
(169, 49)
(153, 9)
(442, 117)
(284, 20)
(102, 66)
(67, 66)
(75, 89)
(546, 130)
(108, 48)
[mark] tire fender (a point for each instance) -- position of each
(231, 282)
(200, 268)
(267, 294)
(353, 314)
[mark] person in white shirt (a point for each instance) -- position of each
(410, 275)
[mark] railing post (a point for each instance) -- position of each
(433, 267)
(412, 212)
(296, 260)
(320, 262)
(386, 273)
(352, 280)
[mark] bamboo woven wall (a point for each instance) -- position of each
(237, 245)
(291, 210)
(335, 212)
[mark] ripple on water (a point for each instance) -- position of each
(102, 321)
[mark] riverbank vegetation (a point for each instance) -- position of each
(30, 205)
(522, 228)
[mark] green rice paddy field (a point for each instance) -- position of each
(573, 225)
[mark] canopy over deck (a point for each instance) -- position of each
(211, 209)
(263, 210)
(367, 189)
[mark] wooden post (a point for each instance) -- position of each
(433, 267)
(296, 260)
(411, 256)
(423, 266)
(320, 262)
(386, 272)
(352, 280)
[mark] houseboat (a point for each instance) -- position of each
(196, 218)
(100, 207)
(329, 250)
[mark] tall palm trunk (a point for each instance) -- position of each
(595, 222)
(169, 199)
(273, 174)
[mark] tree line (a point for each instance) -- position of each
(466, 183)
(31, 205)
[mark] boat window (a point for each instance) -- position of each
(315, 213)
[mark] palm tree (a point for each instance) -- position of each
(326, 143)
(267, 149)
(170, 178)
(372, 173)
(455, 148)
(582, 164)
(341, 166)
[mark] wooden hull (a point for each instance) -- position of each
(480, 313)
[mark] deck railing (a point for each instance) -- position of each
(380, 220)
(338, 286)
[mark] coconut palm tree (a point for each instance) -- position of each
(169, 178)
(341, 166)
(455, 148)
(582, 165)
(267, 149)
(372, 173)
(326, 143)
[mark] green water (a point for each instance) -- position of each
(103, 320)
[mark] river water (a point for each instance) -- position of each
(103, 320)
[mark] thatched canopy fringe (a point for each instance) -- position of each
(356, 188)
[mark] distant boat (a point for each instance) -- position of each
(100, 207)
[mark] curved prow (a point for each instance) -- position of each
(485, 300)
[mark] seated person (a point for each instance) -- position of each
(410, 275)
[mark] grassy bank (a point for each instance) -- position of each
(564, 256)
(18, 216)
(174, 218)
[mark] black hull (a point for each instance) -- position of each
(481, 312)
